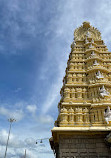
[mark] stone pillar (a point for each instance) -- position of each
(73, 93)
(63, 117)
(99, 115)
(96, 116)
(66, 93)
(71, 116)
(92, 116)
(69, 78)
(71, 66)
(79, 115)
(86, 115)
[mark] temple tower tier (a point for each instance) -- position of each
(82, 129)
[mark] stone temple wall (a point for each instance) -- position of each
(83, 147)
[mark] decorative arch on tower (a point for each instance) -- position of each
(86, 30)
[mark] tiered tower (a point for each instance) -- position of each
(80, 129)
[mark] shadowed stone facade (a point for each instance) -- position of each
(83, 147)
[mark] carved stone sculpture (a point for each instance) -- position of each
(103, 92)
(92, 53)
(86, 40)
(91, 46)
(88, 34)
(99, 75)
(92, 41)
(73, 44)
(95, 63)
(107, 115)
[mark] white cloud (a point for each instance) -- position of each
(24, 20)
(32, 108)
(45, 119)
(30, 142)
(54, 90)
(17, 147)
(12, 143)
(16, 114)
(51, 97)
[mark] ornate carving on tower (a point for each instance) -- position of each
(107, 115)
(92, 53)
(87, 77)
(95, 63)
(86, 31)
(79, 115)
(86, 91)
(86, 115)
(103, 92)
(99, 75)
(71, 116)
(63, 116)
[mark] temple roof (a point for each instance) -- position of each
(86, 30)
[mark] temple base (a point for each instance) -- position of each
(80, 144)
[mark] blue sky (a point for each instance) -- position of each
(35, 39)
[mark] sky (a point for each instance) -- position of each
(35, 39)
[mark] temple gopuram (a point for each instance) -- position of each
(83, 126)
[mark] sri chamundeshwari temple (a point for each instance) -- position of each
(83, 126)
